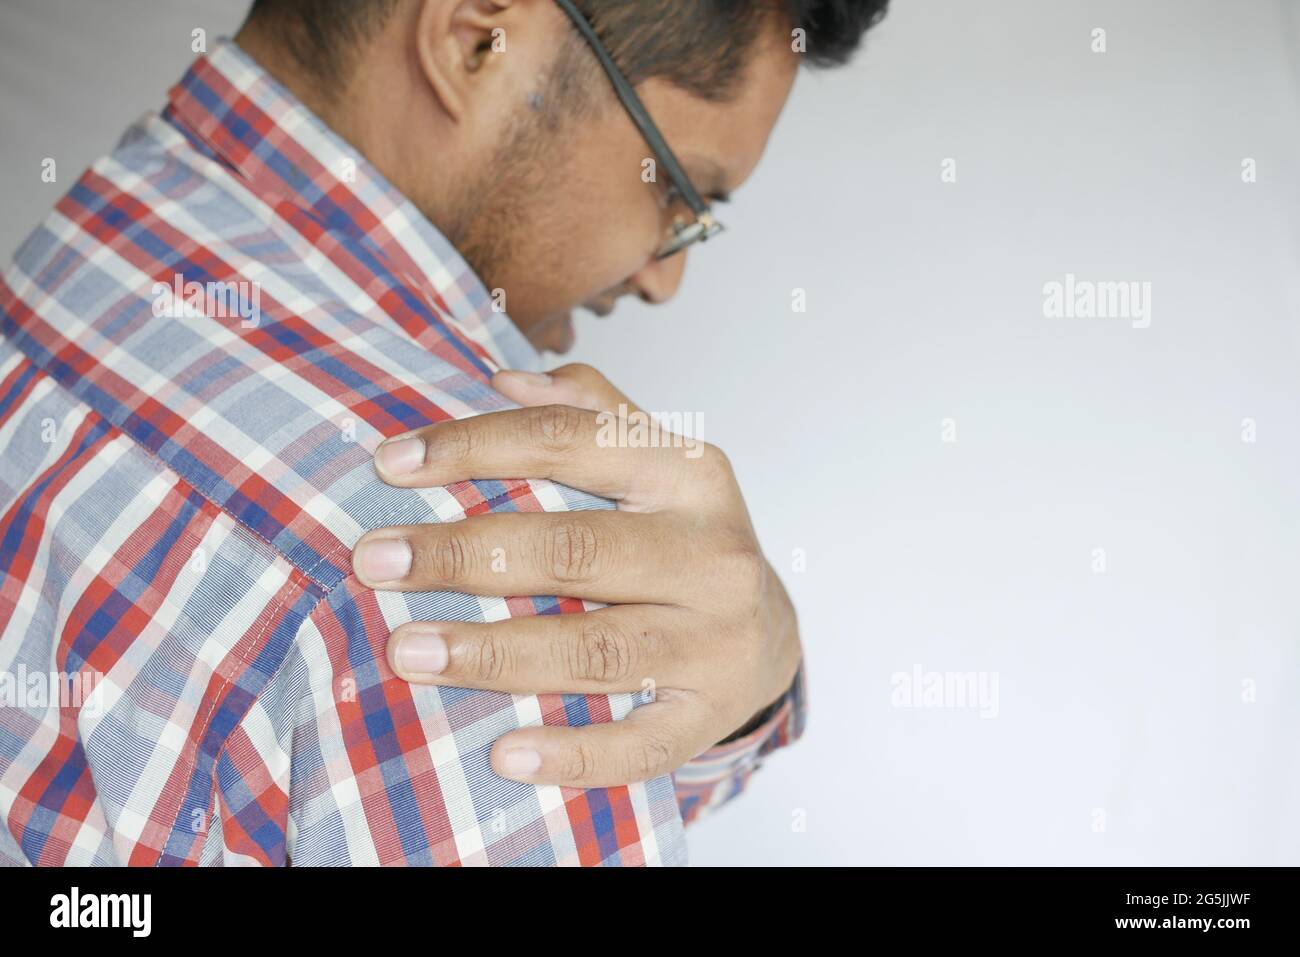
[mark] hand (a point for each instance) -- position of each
(696, 616)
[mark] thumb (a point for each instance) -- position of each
(576, 384)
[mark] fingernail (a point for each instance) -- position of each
(520, 762)
(538, 379)
(422, 655)
(401, 457)
(383, 561)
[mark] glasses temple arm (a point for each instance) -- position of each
(635, 108)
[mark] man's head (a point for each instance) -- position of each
(496, 119)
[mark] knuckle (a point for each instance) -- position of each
(556, 428)
(585, 375)
(579, 763)
(746, 650)
(717, 464)
(450, 558)
(601, 653)
(490, 659)
(570, 550)
(651, 757)
(455, 442)
(745, 570)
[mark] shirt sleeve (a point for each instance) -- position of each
(722, 772)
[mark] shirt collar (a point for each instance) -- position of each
(250, 122)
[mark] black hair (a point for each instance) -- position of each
(698, 45)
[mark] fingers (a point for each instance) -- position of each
(603, 556)
(576, 384)
(576, 447)
(653, 740)
(631, 648)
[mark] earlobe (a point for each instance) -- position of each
(454, 39)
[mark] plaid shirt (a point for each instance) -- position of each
(183, 474)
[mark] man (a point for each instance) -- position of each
(339, 231)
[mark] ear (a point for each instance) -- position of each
(454, 43)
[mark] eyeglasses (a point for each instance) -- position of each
(682, 232)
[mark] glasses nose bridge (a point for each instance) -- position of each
(674, 209)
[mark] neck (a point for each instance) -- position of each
(268, 53)
(368, 112)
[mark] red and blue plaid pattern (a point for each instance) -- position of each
(179, 496)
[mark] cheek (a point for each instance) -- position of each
(599, 217)
(599, 241)
(580, 232)
(561, 267)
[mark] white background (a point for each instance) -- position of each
(1120, 693)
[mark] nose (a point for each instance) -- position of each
(657, 281)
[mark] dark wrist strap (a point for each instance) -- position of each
(756, 722)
